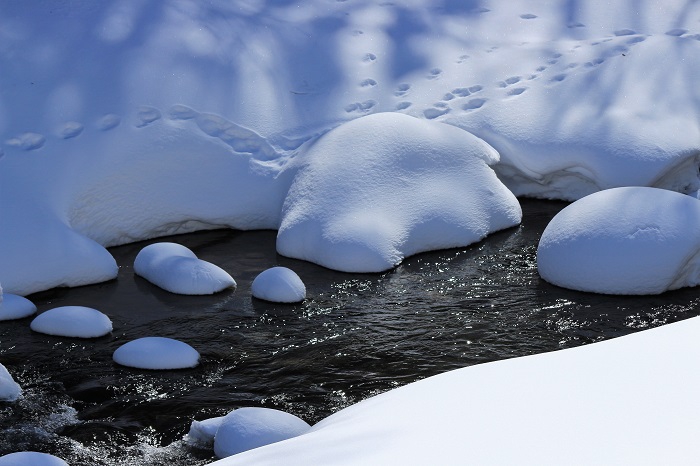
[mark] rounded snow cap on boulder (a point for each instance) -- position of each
(73, 321)
(156, 353)
(13, 306)
(248, 428)
(279, 285)
(31, 458)
(9, 389)
(631, 240)
(175, 268)
(202, 433)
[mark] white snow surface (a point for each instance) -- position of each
(149, 119)
(202, 433)
(632, 240)
(31, 458)
(380, 188)
(156, 353)
(9, 389)
(586, 405)
(13, 307)
(175, 268)
(72, 321)
(280, 285)
(248, 428)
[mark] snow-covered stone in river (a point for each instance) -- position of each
(248, 428)
(9, 389)
(280, 285)
(386, 186)
(156, 353)
(13, 307)
(73, 321)
(203, 432)
(631, 240)
(31, 458)
(175, 268)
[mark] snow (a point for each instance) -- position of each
(13, 307)
(383, 187)
(629, 400)
(280, 285)
(72, 321)
(633, 240)
(175, 268)
(248, 428)
(9, 389)
(202, 433)
(156, 353)
(31, 458)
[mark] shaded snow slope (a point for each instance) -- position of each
(586, 405)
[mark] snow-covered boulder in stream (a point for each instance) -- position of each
(9, 389)
(383, 187)
(156, 353)
(73, 321)
(632, 240)
(13, 307)
(279, 285)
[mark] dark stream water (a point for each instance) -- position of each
(355, 336)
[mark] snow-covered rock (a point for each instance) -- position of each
(202, 433)
(72, 321)
(175, 268)
(156, 353)
(9, 389)
(280, 285)
(383, 187)
(13, 307)
(632, 240)
(248, 428)
(31, 458)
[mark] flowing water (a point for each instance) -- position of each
(355, 336)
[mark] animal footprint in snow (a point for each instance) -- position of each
(558, 78)
(434, 112)
(402, 89)
(369, 58)
(528, 16)
(27, 141)
(517, 91)
(369, 82)
(434, 73)
(403, 105)
(473, 104)
(70, 130)
(510, 81)
(362, 107)
(108, 121)
(147, 115)
(624, 32)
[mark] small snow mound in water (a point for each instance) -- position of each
(73, 321)
(632, 240)
(156, 353)
(13, 307)
(31, 458)
(248, 428)
(9, 389)
(386, 186)
(203, 432)
(280, 285)
(175, 268)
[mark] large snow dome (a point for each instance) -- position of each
(631, 240)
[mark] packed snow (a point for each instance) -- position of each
(280, 285)
(72, 321)
(383, 187)
(31, 458)
(9, 389)
(247, 428)
(156, 353)
(175, 268)
(13, 307)
(632, 240)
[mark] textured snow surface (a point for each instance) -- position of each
(175, 268)
(31, 458)
(72, 321)
(9, 389)
(586, 405)
(280, 285)
(248, 428)
(156, 353)
(632, 240)
(380, 188)
(13, 306)
(202, 433)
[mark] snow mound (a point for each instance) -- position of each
(72, 321)
(9, 389)
(175, 268)
(13, 307)
(248, 428)
(156, 353)
(383, 187)
(203, 432)
(632, 240)
(31, 458)
(280, 285)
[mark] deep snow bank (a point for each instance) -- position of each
(380, 188)
(631, 240)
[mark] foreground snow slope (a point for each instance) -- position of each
(631, 400)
